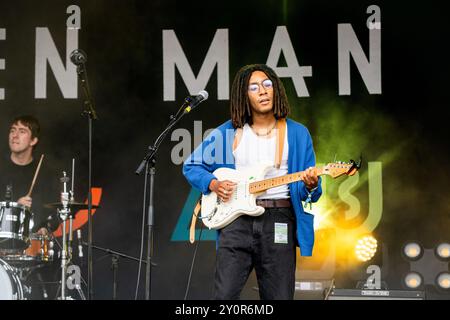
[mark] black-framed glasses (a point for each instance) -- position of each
(254, 87)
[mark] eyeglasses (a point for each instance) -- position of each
(254, 87)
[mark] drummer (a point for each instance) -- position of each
(18, 168)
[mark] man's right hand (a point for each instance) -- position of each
(224, 189)
(25, 201)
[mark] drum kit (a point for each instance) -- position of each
(22, 252)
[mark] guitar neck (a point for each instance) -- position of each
(263, 185)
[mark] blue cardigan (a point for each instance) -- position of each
(216, 151)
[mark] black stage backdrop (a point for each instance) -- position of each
(390, 106)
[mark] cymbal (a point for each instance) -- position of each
(72, 205)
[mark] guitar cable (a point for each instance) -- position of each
(328, 291)
(142, 239)
(193, 261)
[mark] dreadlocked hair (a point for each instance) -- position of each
(240, 109)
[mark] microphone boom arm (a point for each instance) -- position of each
(189, 104)
(154, 148)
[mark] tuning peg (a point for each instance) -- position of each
(358, 165)
(355, 164)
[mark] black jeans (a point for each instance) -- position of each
(249, 242)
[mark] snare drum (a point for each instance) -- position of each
(41, 248)
(38, 253)
(10, 285)
(14, 227)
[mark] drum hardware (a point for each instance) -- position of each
(70, 277)
(78, 288)
(74, 206)
(43, 285)
(64, 214)
(66, 211)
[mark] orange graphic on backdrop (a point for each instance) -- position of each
(81, 217)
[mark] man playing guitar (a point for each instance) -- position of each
(259, 133)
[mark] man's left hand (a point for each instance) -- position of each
(42, 232)
(310, 178)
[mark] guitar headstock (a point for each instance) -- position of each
(337, 169)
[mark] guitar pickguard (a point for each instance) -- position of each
(216, 214)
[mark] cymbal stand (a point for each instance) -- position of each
(71, 214)
(63, 214)
(69, 243)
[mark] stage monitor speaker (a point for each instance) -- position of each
(372, 294)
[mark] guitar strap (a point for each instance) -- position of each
(281, 133)
(194, 220)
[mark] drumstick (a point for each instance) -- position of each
(35, 176)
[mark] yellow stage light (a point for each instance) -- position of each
(365, 248)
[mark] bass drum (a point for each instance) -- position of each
(10, 285)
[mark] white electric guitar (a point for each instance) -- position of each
(217, 214)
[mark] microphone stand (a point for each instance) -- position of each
(149, 163)
(115, 263)
(92, 115)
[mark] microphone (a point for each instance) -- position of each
(78, 57)
(80, 244)
(194, 101)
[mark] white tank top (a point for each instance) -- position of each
(253, 150)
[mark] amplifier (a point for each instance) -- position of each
(372, 294)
